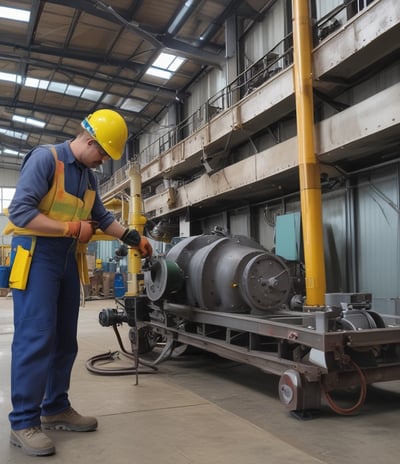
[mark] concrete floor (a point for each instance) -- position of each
(199, 409)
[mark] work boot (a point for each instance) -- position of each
(32, 441)
(69, 420)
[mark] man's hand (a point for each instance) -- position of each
(131, 237)
(144, 247)
(82, 230)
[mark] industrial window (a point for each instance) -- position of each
(6, 195)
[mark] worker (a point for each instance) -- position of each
(55, 210)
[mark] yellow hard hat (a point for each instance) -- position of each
(109, 129)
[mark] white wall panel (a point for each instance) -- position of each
(205, 89)
(325, 6)
(266, 34)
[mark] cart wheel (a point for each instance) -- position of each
(297, 394)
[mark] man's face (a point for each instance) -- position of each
(94, 156)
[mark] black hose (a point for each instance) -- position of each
(136, 369)
(112, 356)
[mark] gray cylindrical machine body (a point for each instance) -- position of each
(228, 274)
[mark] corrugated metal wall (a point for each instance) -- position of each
(206, 88)
(335, 241)
(377, 229)
(239, 222)
(367, 254)
(266, 34)
(323, 7)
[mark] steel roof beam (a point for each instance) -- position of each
(160, 91)
(73, 54)
(189, 51)
(106, 12)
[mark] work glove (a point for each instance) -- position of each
(121, 251)
(131, 237)
(144, 247)
(82, 230)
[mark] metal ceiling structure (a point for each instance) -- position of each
(75, 56)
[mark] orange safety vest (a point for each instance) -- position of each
(62, 206)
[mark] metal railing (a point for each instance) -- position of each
(274, 61)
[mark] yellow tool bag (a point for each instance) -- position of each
(81, 259)
(21, 266)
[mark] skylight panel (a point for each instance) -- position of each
(92, 95)
(130, 104)
(164, 60)
(112, 100)
(57, 87)
(165, 65)
(7, 151)
(8, 77)
(168, 62)
(176, 63)
(159, 73)
(13, 134)
(74, 90)
(15, 14)
(36, 83)
(29, 121)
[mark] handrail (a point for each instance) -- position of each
(248, 80)
(276, 59)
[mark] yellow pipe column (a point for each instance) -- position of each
(136, 221)
(309, 172)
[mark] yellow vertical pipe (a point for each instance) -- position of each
(310, 184)
(136, 221)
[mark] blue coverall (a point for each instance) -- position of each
(44, 345)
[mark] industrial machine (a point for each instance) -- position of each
(227, 295)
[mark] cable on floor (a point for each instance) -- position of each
(112, 356)
(361, 399)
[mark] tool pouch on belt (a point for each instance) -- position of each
(81, 251)
(21, 266)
